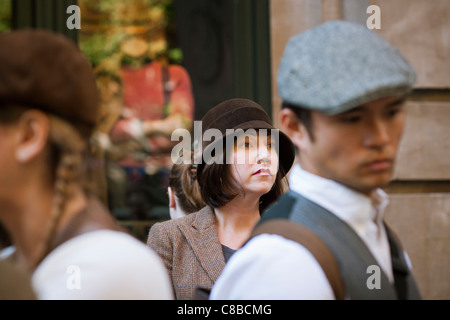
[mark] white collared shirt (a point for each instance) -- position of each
(272, 267)
(363, 214)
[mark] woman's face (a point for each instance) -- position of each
(255, 163)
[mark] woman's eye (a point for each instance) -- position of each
(245, 145)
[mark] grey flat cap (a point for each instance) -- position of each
(340, 65)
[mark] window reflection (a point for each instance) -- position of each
(5, 15)
(146, 94)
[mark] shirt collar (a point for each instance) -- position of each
(352, 207)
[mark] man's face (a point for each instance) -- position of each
(356, 148)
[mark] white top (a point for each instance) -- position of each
(272, 267)
(102, 265)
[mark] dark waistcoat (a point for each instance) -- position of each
(357, 266)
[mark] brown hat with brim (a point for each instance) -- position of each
(47, 71)
(244, 114)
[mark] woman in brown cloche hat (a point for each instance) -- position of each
(236, 187)
(62, 235)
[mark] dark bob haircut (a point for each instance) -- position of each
(218, 187)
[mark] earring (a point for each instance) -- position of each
(194, 170)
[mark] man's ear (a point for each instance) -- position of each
(292, 127)
(32, 135)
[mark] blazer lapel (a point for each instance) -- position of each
(204, 241)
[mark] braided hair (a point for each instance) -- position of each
(68, 150)
(67, 154)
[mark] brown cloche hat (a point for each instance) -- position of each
(244, 114)
(47, 71)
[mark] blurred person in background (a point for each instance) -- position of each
(62, 235)
(184, 191)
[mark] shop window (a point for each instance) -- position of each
(165, 62)
(221, 46)
(5, 15)
(146, 93)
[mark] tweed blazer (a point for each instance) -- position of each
(191, 251)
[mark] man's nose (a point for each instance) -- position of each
(378, 134)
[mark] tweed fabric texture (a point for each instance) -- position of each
(340, 65)
(191, 251)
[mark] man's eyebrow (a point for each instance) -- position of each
(397, 102)
(391, 104)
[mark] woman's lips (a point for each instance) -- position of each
(262, 172)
